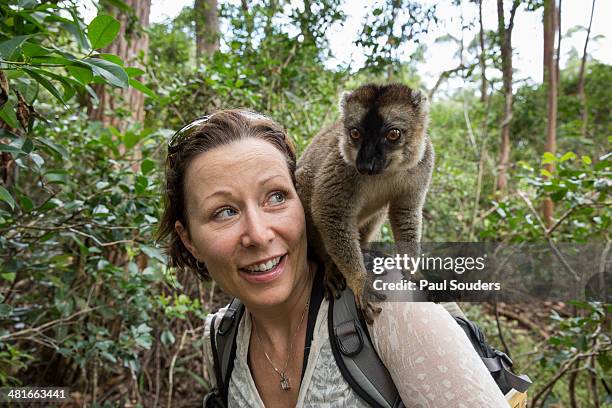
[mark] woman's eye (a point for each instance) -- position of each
(224, 213)
(278, 197)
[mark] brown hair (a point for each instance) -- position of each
(221, 128)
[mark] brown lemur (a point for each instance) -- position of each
(375, 160)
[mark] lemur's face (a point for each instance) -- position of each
(384, 128)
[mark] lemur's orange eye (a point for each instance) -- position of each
(355, 134)
(393, 135)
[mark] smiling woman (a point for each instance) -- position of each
(245, 221)
(232, 213)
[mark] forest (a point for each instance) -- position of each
(91, 92)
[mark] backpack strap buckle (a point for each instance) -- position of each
(506, 360)
(349, 337)
(229, 318)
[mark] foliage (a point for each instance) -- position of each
(579, 188)
(80, 199)
(86, 299)
(277, 75)
(581, 343)
(32, 61)
(76, 227)
(530, 107)
(390, 26)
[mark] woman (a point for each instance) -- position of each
(232, 214)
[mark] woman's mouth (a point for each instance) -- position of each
(265, 271)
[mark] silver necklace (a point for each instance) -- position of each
(284, 379)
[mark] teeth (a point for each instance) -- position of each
(262, 267)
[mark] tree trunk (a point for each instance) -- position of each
(550, 79)
(481, 57)
(558, 57)
(505, 35)
(272, 7)
(305, 21)
(207, 27)
(583, 102)
(131, 46)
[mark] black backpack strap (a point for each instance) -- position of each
(355, 354)
(223, 344)
(498, 363)
(502, 364)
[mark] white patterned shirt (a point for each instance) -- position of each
(431, 360)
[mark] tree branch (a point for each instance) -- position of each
(512, 14)
(45, 326)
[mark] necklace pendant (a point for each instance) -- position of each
(284, 382)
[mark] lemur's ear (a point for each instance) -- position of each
(419, 99)
(343, 101)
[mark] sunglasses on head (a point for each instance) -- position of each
(186, 131)
(183, 133)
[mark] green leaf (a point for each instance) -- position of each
(142, 88)
(67, 83)
(113, 73)
(567, 156)
(35, 18)
(112, 58)
(167, 337)
(548, 157)
(59, 151)
(77, 33)
(8, 276)
(52, 59)
(108, 356)
(35, 50)
(9, 148)
(102, 31)
(586, 160)
(7, 114)
(27, 4)
(8, 47)
(79, 29)
(92, 93)
(141, 184)
(45, 83)
(82, 74)
(26, 203)
(57, 176)
(28, 88)
(7, 197)
(546, 173)
(134, 72)
(500, 211)
(5, 310)
(147, 166)
(130, 139)
(153, 253)
(27, 146)
(605, 362)
(100, 210)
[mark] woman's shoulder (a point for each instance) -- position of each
(428, 311)
(429, 348)
(412, 318)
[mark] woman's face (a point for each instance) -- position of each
(246, 222)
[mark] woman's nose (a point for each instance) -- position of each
(257, 231)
